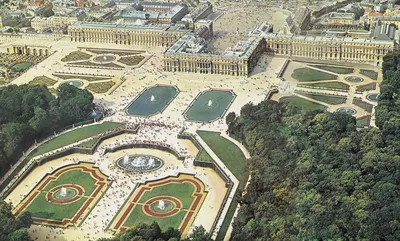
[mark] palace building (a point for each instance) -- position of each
(153, 35)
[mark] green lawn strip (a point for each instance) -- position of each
(234, 159)
(182, 191)
(307, 74)
(303, 103)
(137, 216)
(369, 73)
(72, 137)
(75, 56)
(100, 87)
(88, 144)
(367, 87)
(203, 156)
(21, 66)
(333, 100)
(74, 177)
(42, 80)
(131, 60)
(88, 78)
(363, 105)
(335, 69)
(363, 121)
(41, 208)
(330, 85)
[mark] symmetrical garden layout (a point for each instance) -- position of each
(66, 196)
(172, 202)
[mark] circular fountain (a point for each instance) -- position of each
(139, 163)
(354, 79)
(347, 110)
(65, 193)
(76, 83)
(162, 206)
(104, 59)
(373, 97)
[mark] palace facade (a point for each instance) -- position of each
(369, 51)
(152, 35)
(186, 55)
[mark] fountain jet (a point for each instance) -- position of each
(209, 104)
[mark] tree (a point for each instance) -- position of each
(12, 229)
(199, 234)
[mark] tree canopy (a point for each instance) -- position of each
(11, 228)
(30, 112)
(315, 176)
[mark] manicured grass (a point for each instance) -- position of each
(43, 80)
(72, 137)
(234, 159)
(363, 121)
(88, 144)
(367, 87)
(75, 177)
(182, 191)
(303, 103)
(84, 77)
(330, 85)
(329, 99)
(335, 69)
(369, 73)
(131, 60)
(364, 105)
(41, 208)
(203, 156)
(137, 216)
(100, 87)
(229, 153)
(21, 66)
(75, 56)
(307, 74)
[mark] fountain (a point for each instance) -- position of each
(139, 163)
(70, 83)
(63, 192)
(105, 58)
(152, 98)
(161, 205)
(209, 104)
(126, 159)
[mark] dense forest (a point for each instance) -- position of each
(315, 176)
(12, 228)
(30, 112)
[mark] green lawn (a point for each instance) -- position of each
(203, 156)
(42, 80)
(182, 191)
(363, 121)
(330, 85)
(364, 105)
(75, 177)
(303, 103)
(307, 74)
(234, 159)
(21, 66)
(333, 100)
(335, 69)
(137, 216)
(41, 208)
(369, 73)
(88, 144)
(75, 56)
(367, 87)
(72, 137)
